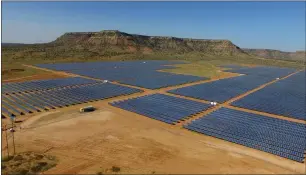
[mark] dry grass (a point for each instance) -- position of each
(27, 163)
(199, 68)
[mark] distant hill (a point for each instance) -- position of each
(113, 44)
(98, 42)
(276, 54)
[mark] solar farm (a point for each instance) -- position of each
(261, 109)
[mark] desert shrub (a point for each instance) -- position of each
(7, 158)
(39, 157)
(18, 158)
(115, 169)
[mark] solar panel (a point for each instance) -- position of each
(285, 97)
(45, 84)
(264, 71)
(12, 109)
(30, 101)
(5, 112)
(16, 104)
(276, 136)
(222, 90)
(135, 73)
(69, 95)
(22, 102)
(162, 107)
(148, 64)
(38, 100)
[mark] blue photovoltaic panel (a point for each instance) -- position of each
(285, 97)
(264, 71)
(222, 90)
(30, 101)
(23, 103)
(44, 84)
(146, 64)
(164, 81)
(16, 104)
(5, 112)
(161, 107)
(66, 96)
(280, 137)
(140, 77)
(11, 108)
(138, 73)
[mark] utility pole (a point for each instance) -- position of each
(12, 119)
(7, 146)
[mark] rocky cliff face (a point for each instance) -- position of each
(110, 43)
(276, 54)
(124, 42)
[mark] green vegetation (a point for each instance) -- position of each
(27, 163)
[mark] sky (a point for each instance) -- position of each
(269, 25)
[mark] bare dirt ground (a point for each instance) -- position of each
(93, 142)
(34, 77)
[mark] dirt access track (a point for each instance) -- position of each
(92, 142)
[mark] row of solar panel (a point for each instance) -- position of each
(120, 74)
(255, 131)
(44, 84)
(222, 90)
(162, 107)
(285, 97)
(164, 81)
(19, 104)
(145, 78)
(147, 64)
(138, 73)
(263, 71)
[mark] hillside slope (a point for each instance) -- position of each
(276, 54)
(111, 43)
(120, 41)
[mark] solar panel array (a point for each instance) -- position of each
(263, 71)
(149, 64)
(286, 97)
(138, 73)
(44, 84)
(222, 90)
(162, 107)
(280, 137)
(23, 103)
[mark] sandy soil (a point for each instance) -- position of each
(137, 144)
